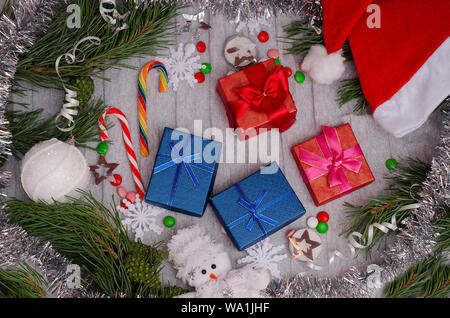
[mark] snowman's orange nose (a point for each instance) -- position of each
(213, 276)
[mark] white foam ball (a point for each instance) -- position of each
(322, 67)
(53, 169)
(312, 222)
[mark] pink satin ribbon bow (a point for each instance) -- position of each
(334, 161)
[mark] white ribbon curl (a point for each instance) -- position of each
(384, 227)
(68, 110)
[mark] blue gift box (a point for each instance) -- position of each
(257, 206)
(184, 172)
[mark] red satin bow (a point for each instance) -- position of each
(271, 97)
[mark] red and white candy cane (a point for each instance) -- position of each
(128, 144)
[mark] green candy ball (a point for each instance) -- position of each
(169, 221)
(102, 148)
(299, 77)
(322, 227)
(206, 68)
(277, 62)
(391, 164)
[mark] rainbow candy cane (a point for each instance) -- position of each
(142, 89)
(128, 144)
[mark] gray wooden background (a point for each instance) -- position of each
(316, 106)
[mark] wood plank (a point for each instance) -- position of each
(316, 106)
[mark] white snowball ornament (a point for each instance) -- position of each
(322, 67)
(53, 169)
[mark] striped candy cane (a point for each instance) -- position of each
(128, 144)
(142, 99)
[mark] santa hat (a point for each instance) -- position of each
(189, 247)
(404, 64)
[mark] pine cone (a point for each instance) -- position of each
(84, 86)
(139, 266)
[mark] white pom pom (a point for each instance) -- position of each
(323, 68)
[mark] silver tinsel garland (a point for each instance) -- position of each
(18, 29)
(245, 10)
(413, 242)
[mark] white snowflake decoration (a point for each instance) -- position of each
(264, 255)
(181, 66)
(254, 25)
(140, 217)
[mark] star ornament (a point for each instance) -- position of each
(103, 170)
(305, 245)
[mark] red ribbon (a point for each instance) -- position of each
(334, 161)
(269, 100)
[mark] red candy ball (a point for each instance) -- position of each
(118, 180)
(263, 36)
(201, 46)
(200, 77)
(287, 71)
(323, 216)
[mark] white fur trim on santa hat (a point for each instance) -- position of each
(322, 67)
(410, 107)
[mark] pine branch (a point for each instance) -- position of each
(443, 230)
(22, 282)
(405, 186)
(28, 128)
(428, 278)
(92, 236)
(350, 90)
(347, 52)
(302, 37)
(150, 27)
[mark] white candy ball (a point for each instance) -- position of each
(312, 222)
(53, 169)
(189, 49)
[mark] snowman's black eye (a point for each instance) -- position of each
(213, 266)
(204, 271)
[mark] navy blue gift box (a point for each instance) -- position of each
(184, 172)
(257, 206)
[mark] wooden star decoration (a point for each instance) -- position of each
(103, 170)
(307, 244)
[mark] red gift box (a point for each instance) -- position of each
(257, 97)
(332, 164)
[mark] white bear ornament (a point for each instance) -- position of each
(204, 265)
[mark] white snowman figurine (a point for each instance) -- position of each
(204, 265)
